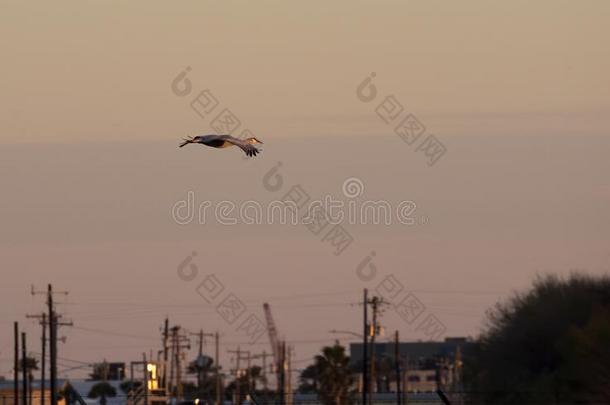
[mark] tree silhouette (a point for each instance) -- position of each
(330, 376)
(546, 346)
(309, 379)
(102, 390)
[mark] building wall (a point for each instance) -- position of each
(6, 397)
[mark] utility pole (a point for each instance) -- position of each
(165, 350)
(24, 370)
(53, 325)
(179, 392)
(397, 366)
(282, 366)
(16, 365)
(375, 302)
(217, 368)
(265, 382)
(52, 344)
(248, 372)
(247, 355)
(145, 378)
(262, 356)
(201, 336)
(405, 380)
(237, 395)
(372, 329)
(365, 344)
(197, 364)
(43, 322)
(288, 380)
(172, 365)
(237, 383)
(43, 360)
(178, 342)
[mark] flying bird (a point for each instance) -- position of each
(224, 141)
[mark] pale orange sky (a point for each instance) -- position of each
(517, 91)
(83, 70)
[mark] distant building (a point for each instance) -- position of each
(83, 387)
(7, 397)
(108, 371)
(425, 366)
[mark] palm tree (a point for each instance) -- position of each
(102, 390)
(334, 375)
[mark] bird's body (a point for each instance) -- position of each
(225, 141)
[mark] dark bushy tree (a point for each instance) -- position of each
(309, 379)
(550, 345)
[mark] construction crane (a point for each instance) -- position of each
(273, 339)
(281, 360)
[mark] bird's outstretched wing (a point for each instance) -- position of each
(250, 150)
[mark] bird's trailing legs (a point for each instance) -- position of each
(187, 141)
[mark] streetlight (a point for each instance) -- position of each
(345, 332)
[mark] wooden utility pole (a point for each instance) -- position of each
(288, 379)
(397, 366)
(16, 365)
(179, 388)
(52, 344)
(145, 362)
(217, 368)
(178, 342)
(24, 370)
(282, 382)
(265, 382)
(199, 366)
(172, 365)
(247, 355)
(237, 399)
(179, 391)
(52, 319)
(43, 322)
(201, 337)
(43, 360)
(376, 303)
(248, 372)
(373, 360)
(365, 344)
(165, 350)
(262, 356)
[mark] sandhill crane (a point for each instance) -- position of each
(224, 141)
